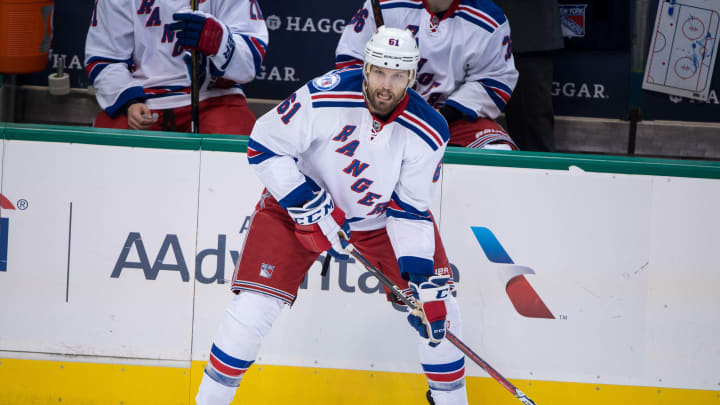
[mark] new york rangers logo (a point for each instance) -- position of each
(572, 17)
(327, 82)
(266, 270)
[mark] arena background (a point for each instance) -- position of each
(596, 86)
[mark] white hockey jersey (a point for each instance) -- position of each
(130, 52)
(466, 57)
(322, 135)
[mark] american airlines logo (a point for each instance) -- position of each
(522, 295)
(579, 90)
(305, 24)
(5, 206)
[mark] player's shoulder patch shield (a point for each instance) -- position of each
(326, 82)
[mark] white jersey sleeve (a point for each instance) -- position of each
(240, 62)
(109, 54)
(276, 139)
(490, 77)
(409, 223)
(351, 47)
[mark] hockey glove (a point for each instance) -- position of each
(431, 294)
(317, 223)
(198, 30)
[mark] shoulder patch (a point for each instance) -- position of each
(327, 82)
(341, 80)
(337, 88)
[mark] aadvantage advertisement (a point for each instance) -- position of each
(95, 263)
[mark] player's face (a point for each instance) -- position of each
(385, 88)
(437, 6)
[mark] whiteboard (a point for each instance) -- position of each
(683, 48)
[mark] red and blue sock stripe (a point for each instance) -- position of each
(226, 369)
(447, 376)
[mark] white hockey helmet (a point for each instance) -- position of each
(393, 48)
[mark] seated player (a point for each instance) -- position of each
(466, 67)
(136, 58)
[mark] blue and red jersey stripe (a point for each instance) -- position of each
(257, 153)
(499, 92)
(344, 61)
(96, 64)
(257, 49)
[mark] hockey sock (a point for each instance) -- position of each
(444, 364)
(247, 319)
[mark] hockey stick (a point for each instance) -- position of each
(195, 86)
(413, 305)
(377, 13)
(325, 265)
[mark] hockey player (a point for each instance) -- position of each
(136, 58)
(356, 152)
(466, 67)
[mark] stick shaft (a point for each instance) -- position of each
(377, 13)
(195, 86)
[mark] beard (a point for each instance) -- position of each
(382, 102)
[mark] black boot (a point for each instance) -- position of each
(428, 395)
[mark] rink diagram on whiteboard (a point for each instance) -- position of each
(683, 49)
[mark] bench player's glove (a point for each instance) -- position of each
(317, 223)
(198, 30)
(431, 295)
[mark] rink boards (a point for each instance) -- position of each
(118, 246)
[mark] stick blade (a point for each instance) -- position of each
(524, 398)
